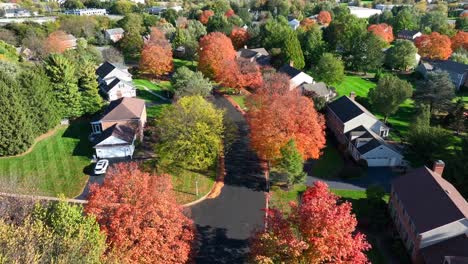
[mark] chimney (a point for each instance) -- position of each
(352, 95)
(438, 167)
(291, 63)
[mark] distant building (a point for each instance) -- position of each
(363, 12)
(158, 10)
(114, 34)
(17, 12)
(259, 55)
(409, 34)
(458, 71)
(296, 77)
(87, 12)
(319, 89)
(384, 7)
(431, 216)
(294, 23)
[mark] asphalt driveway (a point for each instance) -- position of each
(225, 223)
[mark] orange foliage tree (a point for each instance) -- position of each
(156, 56)
(307, 23)
(434, 46)
(324, 17)
(140, 216)
(275, 117)
(205, 16)
(239, 37)
(229, 13)
(460, 40)
(251, 74)
(215, 49)
(382, 31)
(58, 42)
(318, 230)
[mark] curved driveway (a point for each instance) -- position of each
(225, 223)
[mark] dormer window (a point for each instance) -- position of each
(96, 127)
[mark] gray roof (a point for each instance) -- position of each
(408, 33)
(319, 88)
(289, 70)
(125, 108)
(122, 132)
(105, 68)
(448, 66)
(345, 108)
(429, 199)
(456, 248)
(113, 31)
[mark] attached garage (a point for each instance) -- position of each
(115, 142)
(382, 156)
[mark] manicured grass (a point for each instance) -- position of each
(401, 120)
(161, 88)
(329, 164)
(156, 110)
(240, 100)
(354, 84)
(192, 65)
(54, 166)
(184, 182)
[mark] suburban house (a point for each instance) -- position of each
(294, 23)
(114, 34)
(17, 12)
(361, 132)
(319, 89)
(259, 55)
(431, 216)
(115, 132)
(363, 12)
(457, 71)
(87, 12)
(409, 34)
(115, 83)
(158, 10)
(296, 77)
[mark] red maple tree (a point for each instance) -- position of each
(275, 118)
(460, 40)
(140, 216)
(239, 37)
(58, 42)
(205, 16)
(384, 31)
(156, 56)
(434, 46)
(251, 74)
(215, 49)
(307, 23)
(229, 13)
(324, 17)
(319, 230)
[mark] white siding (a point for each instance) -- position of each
(300, 79)
(382, 156)
(111, 141)
(115, 152)
(121, 90)
(366, 121)
(118, 73)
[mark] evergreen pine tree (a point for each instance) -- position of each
(293, 51)
(291, 162)
(91, 101)
(42, 105)
(62, 74)
(16, 128)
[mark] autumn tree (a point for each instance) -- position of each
(460, 40)
(275, 117)
(239, 37)
(156, 56)
(215, 48)
(307, 23)
(56, 42)
(205, 16)
(190, 133)
(251, 76)
(389, 94)
(434, 46)
(324, 17)
(383, 31)
(318, 230)
(140, 216)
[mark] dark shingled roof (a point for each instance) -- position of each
(449, 66)
(105, 68)
(122, 132)
(429, 199)
(108, 87)
(408, 33)
(345, 108)
(456, 247)
(374, 143)
(124, 108)
(291, 71)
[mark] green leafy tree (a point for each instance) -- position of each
(457, 117)
(330, 69)
(131, 45)
(8, 52)
(312, 44)
(390, 92)
(62, 74)
(435, 21)
(292, 50)
(402, 55)
(132, 23)
(73, 4)
(91, 101)
(187, 83)
(170, 16)
(42, 104)
(274, 33)
(437, 91)
(219, 23)
(291, 163)
(457, 167)
(16, 128)
(190, 133)
(462, 23)
(196, 29)
(367, 54)
(123, 7)
(344, 31)
(461, 55)
(405, 19)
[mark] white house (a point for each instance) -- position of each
(294, 23)
(115, 83)
(362, 133)
(409, 34)
(296, 77)
(117, 141)
(114, 34)
(363, 12)
(87, 12)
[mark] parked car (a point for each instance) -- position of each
(101, 167)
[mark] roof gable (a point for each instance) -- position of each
(124, 108)
(105, 68)
(116, 135)
(289, 70)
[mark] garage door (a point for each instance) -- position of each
(378, 162)
(112, 152)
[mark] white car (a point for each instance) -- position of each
(101, 167)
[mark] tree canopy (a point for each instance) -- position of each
(187, 83)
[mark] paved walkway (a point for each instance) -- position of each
(226, 222)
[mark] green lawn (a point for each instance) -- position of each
(156, 103)
(354, 84)
(401, 120)
(239, 99)
(329, 164)
(192, 65)
(54, 166)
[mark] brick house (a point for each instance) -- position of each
(116, 131)
(431, 216)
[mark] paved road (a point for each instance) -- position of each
(375, 175)
(225, 222)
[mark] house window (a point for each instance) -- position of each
(96, 128)
(383, 133)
